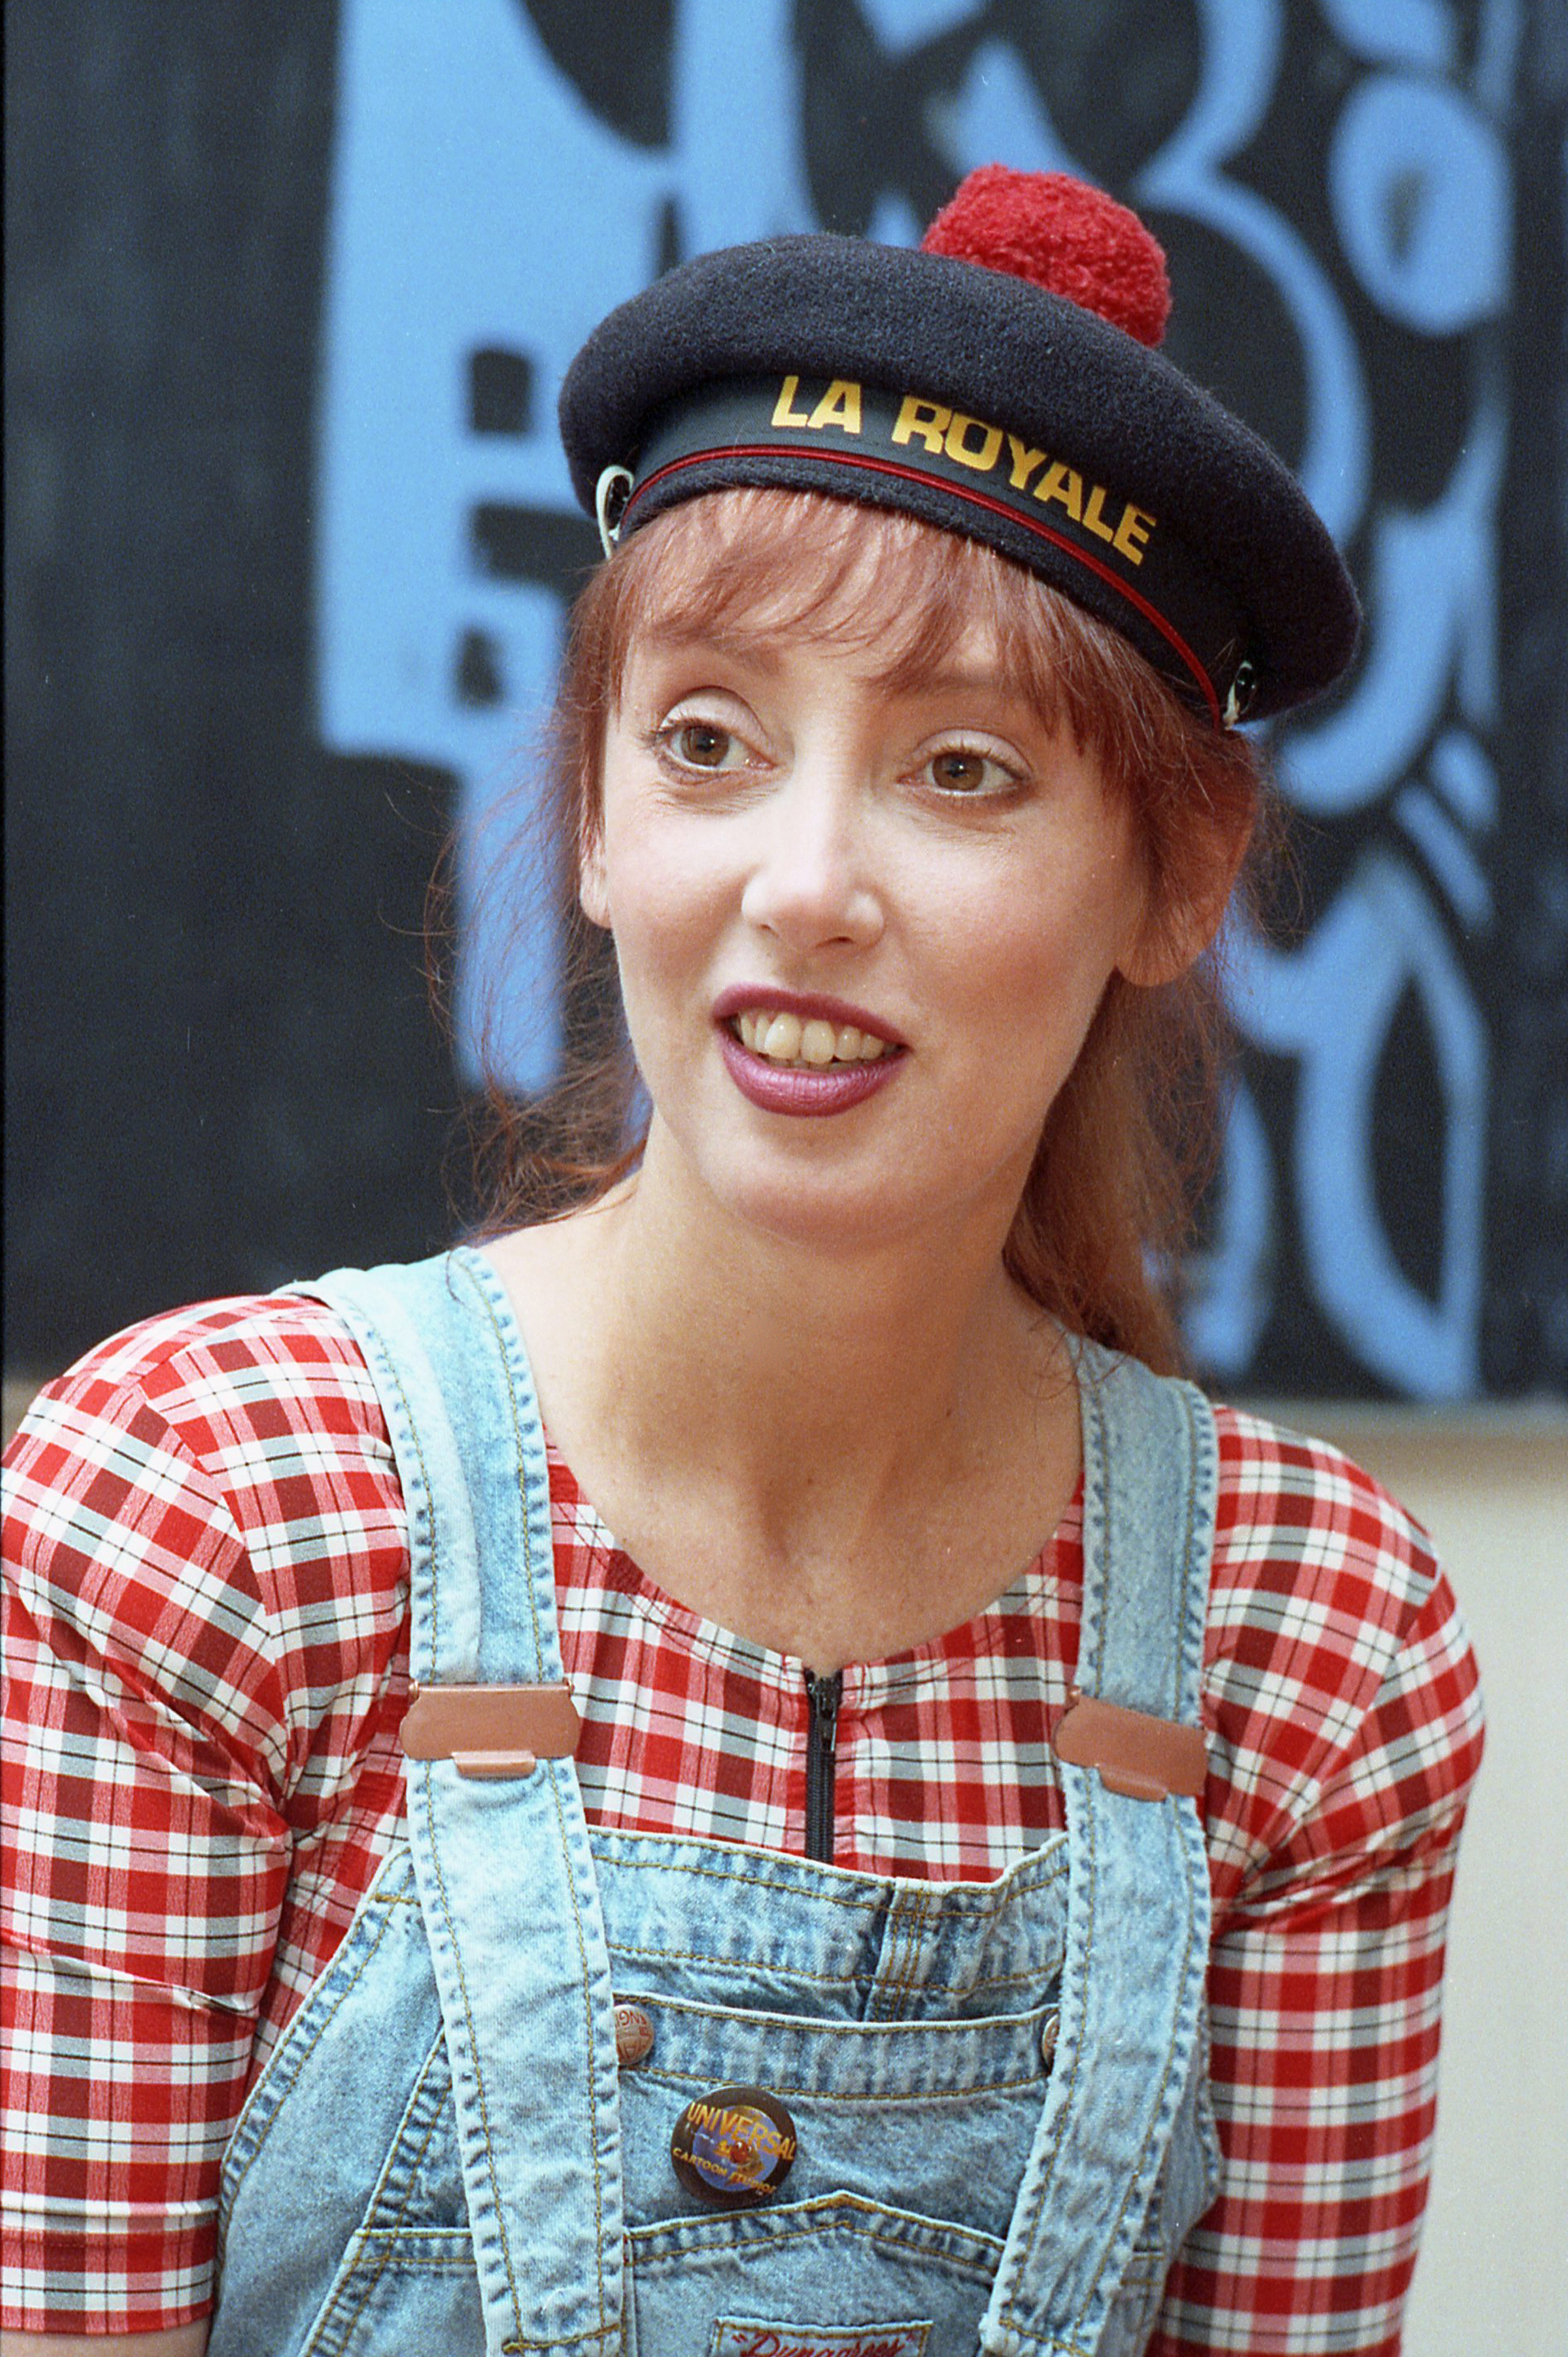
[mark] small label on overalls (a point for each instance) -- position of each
(732, 2338)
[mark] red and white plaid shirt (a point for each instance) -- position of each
(206, 1655)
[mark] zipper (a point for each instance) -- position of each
(822, 1697)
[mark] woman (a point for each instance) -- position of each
(966, 1864)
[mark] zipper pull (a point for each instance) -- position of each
(821, 1745)
(825, 1693)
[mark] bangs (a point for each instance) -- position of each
(750, 564)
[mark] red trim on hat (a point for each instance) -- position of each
(976, 499)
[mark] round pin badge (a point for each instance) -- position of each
(735, 2145)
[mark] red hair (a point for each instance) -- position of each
(1129, 1139)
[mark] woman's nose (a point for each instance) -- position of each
(811, 882)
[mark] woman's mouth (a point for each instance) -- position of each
(810, 1044)
(804, 1064)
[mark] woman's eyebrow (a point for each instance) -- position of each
(672, 636)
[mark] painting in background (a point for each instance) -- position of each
(1362, 205)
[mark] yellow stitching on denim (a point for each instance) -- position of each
(1009, 2311)
(417, 2163)
(823, 2096)
(1187, 1870)
(831, 2224)
(575, 2341)
(329, 2016)
(503, 1348)
(1172, 1808)
(426, 1767)
(502, 1345)
(373, 1340)
(909, 1925)
(769, 2024)
(1103, 1569)
(889, 1982)
(835, 1980)
(1195, 1596)
(764, 1881)
(392, 2232)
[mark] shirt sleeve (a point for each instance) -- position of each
(197, 1636)
(1345, 1735)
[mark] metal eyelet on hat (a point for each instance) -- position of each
(611, 493)
(735, 2145)
(1242, 689)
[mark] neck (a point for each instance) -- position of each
(864, 1359)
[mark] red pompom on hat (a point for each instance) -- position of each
(1060, 233)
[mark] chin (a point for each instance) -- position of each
(816, 1210)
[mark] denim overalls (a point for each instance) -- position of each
(999, 2092)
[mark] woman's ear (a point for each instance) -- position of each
(592, 890)
(1181, 919)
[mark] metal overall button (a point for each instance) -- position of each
(735, 2145)
(634, 2036)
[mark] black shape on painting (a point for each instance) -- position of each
(479, 673)
(617, 56)
(1409, 1146)
(522, 544)
(500, 391)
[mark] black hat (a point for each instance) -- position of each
(998, 382)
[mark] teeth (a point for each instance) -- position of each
(785, 1040)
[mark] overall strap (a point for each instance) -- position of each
(504, 1874)
(1138, 1902)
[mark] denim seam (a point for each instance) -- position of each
(299, 2063)
(426, 1770)
(832, 1897)
(499, 1335)
(1196, 1464)
(417, 2159)
(979, 2270)
(1158, 2116)
(1096, 1416)
(835, 1980)
(823, 2096)
(1029, 2227)
(531, 1578)
(392, 2232)
(789, 2024)
(563, 2342)
(888, 1985)
(914, 1943)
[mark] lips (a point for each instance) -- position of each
(813, 1085)
(803, 1089)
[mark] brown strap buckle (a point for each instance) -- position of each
(491, 1731)
(1143, 1757)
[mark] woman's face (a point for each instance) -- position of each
(862, 927)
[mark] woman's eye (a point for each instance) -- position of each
(960, 770)
(703, 746)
